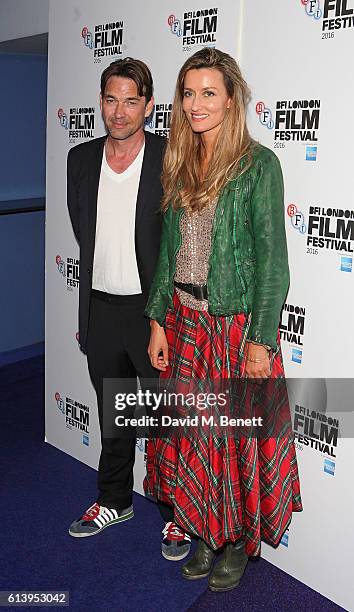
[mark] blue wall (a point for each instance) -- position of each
(21, 280)
(23, 126)
(22, 178)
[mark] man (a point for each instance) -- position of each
(114, 194)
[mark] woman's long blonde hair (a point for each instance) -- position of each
(181, 176)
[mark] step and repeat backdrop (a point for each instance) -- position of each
(297, 61)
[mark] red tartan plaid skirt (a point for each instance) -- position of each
(222, 489)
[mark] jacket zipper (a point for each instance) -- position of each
(175, 256)
(217, 219)
(244, 304)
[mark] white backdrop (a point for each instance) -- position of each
(299, 76)
(287, 64)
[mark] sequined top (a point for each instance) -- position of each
(192, 261)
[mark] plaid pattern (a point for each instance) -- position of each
(222, 488)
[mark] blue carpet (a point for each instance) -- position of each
(120, 570)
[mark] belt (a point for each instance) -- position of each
(112, 298)
(199, 292)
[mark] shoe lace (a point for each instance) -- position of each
(172, 532)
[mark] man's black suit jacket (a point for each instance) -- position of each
(83, 174)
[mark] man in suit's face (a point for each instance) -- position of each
(123, 110)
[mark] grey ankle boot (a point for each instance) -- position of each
(200, 564)
(228, 572)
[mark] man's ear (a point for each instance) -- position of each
(149, 107)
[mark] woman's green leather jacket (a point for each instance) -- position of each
(248, 265)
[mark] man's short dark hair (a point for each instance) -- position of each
(130, 68)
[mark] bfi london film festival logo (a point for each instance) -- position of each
(292, 330)
(104, 40)
(77, 416)
(327, 229)
(79, 122)
(293, 121)
(312, 8)
(69, 269)
(197, 29)
(336, 15)
(319, 432)
(160, 121)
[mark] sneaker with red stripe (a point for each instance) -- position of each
(176, 543)
(97, 518)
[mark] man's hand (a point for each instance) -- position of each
(157, 345)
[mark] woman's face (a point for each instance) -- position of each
(205, 100)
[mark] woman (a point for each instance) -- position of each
(220, 283)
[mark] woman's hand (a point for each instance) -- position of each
(158, 344)
(257, 361)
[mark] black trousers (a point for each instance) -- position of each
(118, 337)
